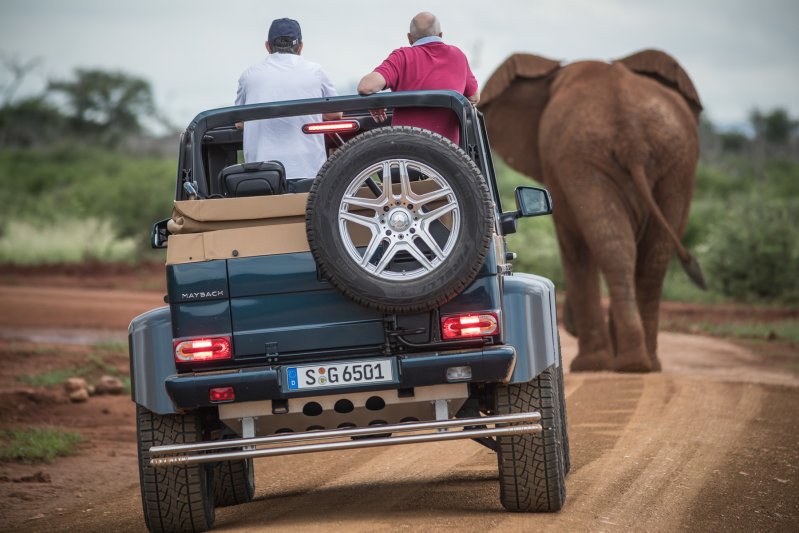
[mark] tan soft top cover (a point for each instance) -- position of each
(221, 228)
(196, 216)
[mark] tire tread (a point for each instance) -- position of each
(231, 483)
(173, 498)
(531, 467)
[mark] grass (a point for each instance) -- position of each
(65, 241)
(111, 346)
(97, 365)
(37, 445)
(52, 378)
(72, 203)
(784, 330)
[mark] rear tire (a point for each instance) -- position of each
(174, 498)
(234, 482)
(531, 467)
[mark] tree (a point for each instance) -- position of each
(18, 70)
(31, 121)
(110, 104)
(775, 128)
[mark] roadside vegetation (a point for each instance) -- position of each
(106, 359)
(86, 181)
(82, 176)
(37, 445)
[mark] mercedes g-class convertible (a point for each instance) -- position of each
(372, 305)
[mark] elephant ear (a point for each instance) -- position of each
(512, 102)
(666, 70)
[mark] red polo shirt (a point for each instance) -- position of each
(430, 66)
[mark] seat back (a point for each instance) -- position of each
(260, 178)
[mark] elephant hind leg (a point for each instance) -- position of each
(608, 232)
(655, 250)
(583, 310)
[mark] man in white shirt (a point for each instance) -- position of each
(285, 75)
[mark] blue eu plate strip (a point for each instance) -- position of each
(293, 383)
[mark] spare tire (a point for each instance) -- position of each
(400, 220)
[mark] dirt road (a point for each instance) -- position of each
(711, 443)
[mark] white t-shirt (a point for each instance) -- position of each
(284, 77)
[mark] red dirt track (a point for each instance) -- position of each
(711, 443)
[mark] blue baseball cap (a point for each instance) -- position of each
(284, 32)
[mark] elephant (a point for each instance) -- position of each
(616, 144)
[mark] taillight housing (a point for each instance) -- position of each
(202, 349)
(469, 325)
(333, 126)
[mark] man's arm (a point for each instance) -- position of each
(241, 99)
(371, 83)
(472, 91)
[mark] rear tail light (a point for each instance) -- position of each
(334, 126)
(204, 349)
(222, 394)
(469, 325)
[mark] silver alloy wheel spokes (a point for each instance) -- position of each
(411, 214)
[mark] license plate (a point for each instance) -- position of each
(323, 376)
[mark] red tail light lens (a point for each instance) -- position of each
(222, 394)
(470, 325)
(334, 126)
(205, 349)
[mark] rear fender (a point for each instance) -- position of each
(151, 360)
(531, 324)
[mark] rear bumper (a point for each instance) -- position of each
(490, 364)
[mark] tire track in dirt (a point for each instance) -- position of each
(648, 451)
(666, 453)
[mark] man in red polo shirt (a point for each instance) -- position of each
(428, 64)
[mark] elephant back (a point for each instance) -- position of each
(666, 70)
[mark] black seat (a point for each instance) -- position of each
(259, 178)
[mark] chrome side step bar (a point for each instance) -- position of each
(189, 454)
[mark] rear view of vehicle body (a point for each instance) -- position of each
(372, 306)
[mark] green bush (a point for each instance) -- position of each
(753, 250)
(64, 241)
(534, 242)
(122, 193)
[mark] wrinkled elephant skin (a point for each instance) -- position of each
(617, 145)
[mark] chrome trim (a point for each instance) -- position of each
(164, 455)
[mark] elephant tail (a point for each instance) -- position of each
(689, 262)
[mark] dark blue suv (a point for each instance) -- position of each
(369, 306)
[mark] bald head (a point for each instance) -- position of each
(424, 24)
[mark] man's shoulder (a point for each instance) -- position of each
(401, 51)
(309, 65)
(252, 69)
(452, 49)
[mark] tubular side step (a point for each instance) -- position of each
(188, 454)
